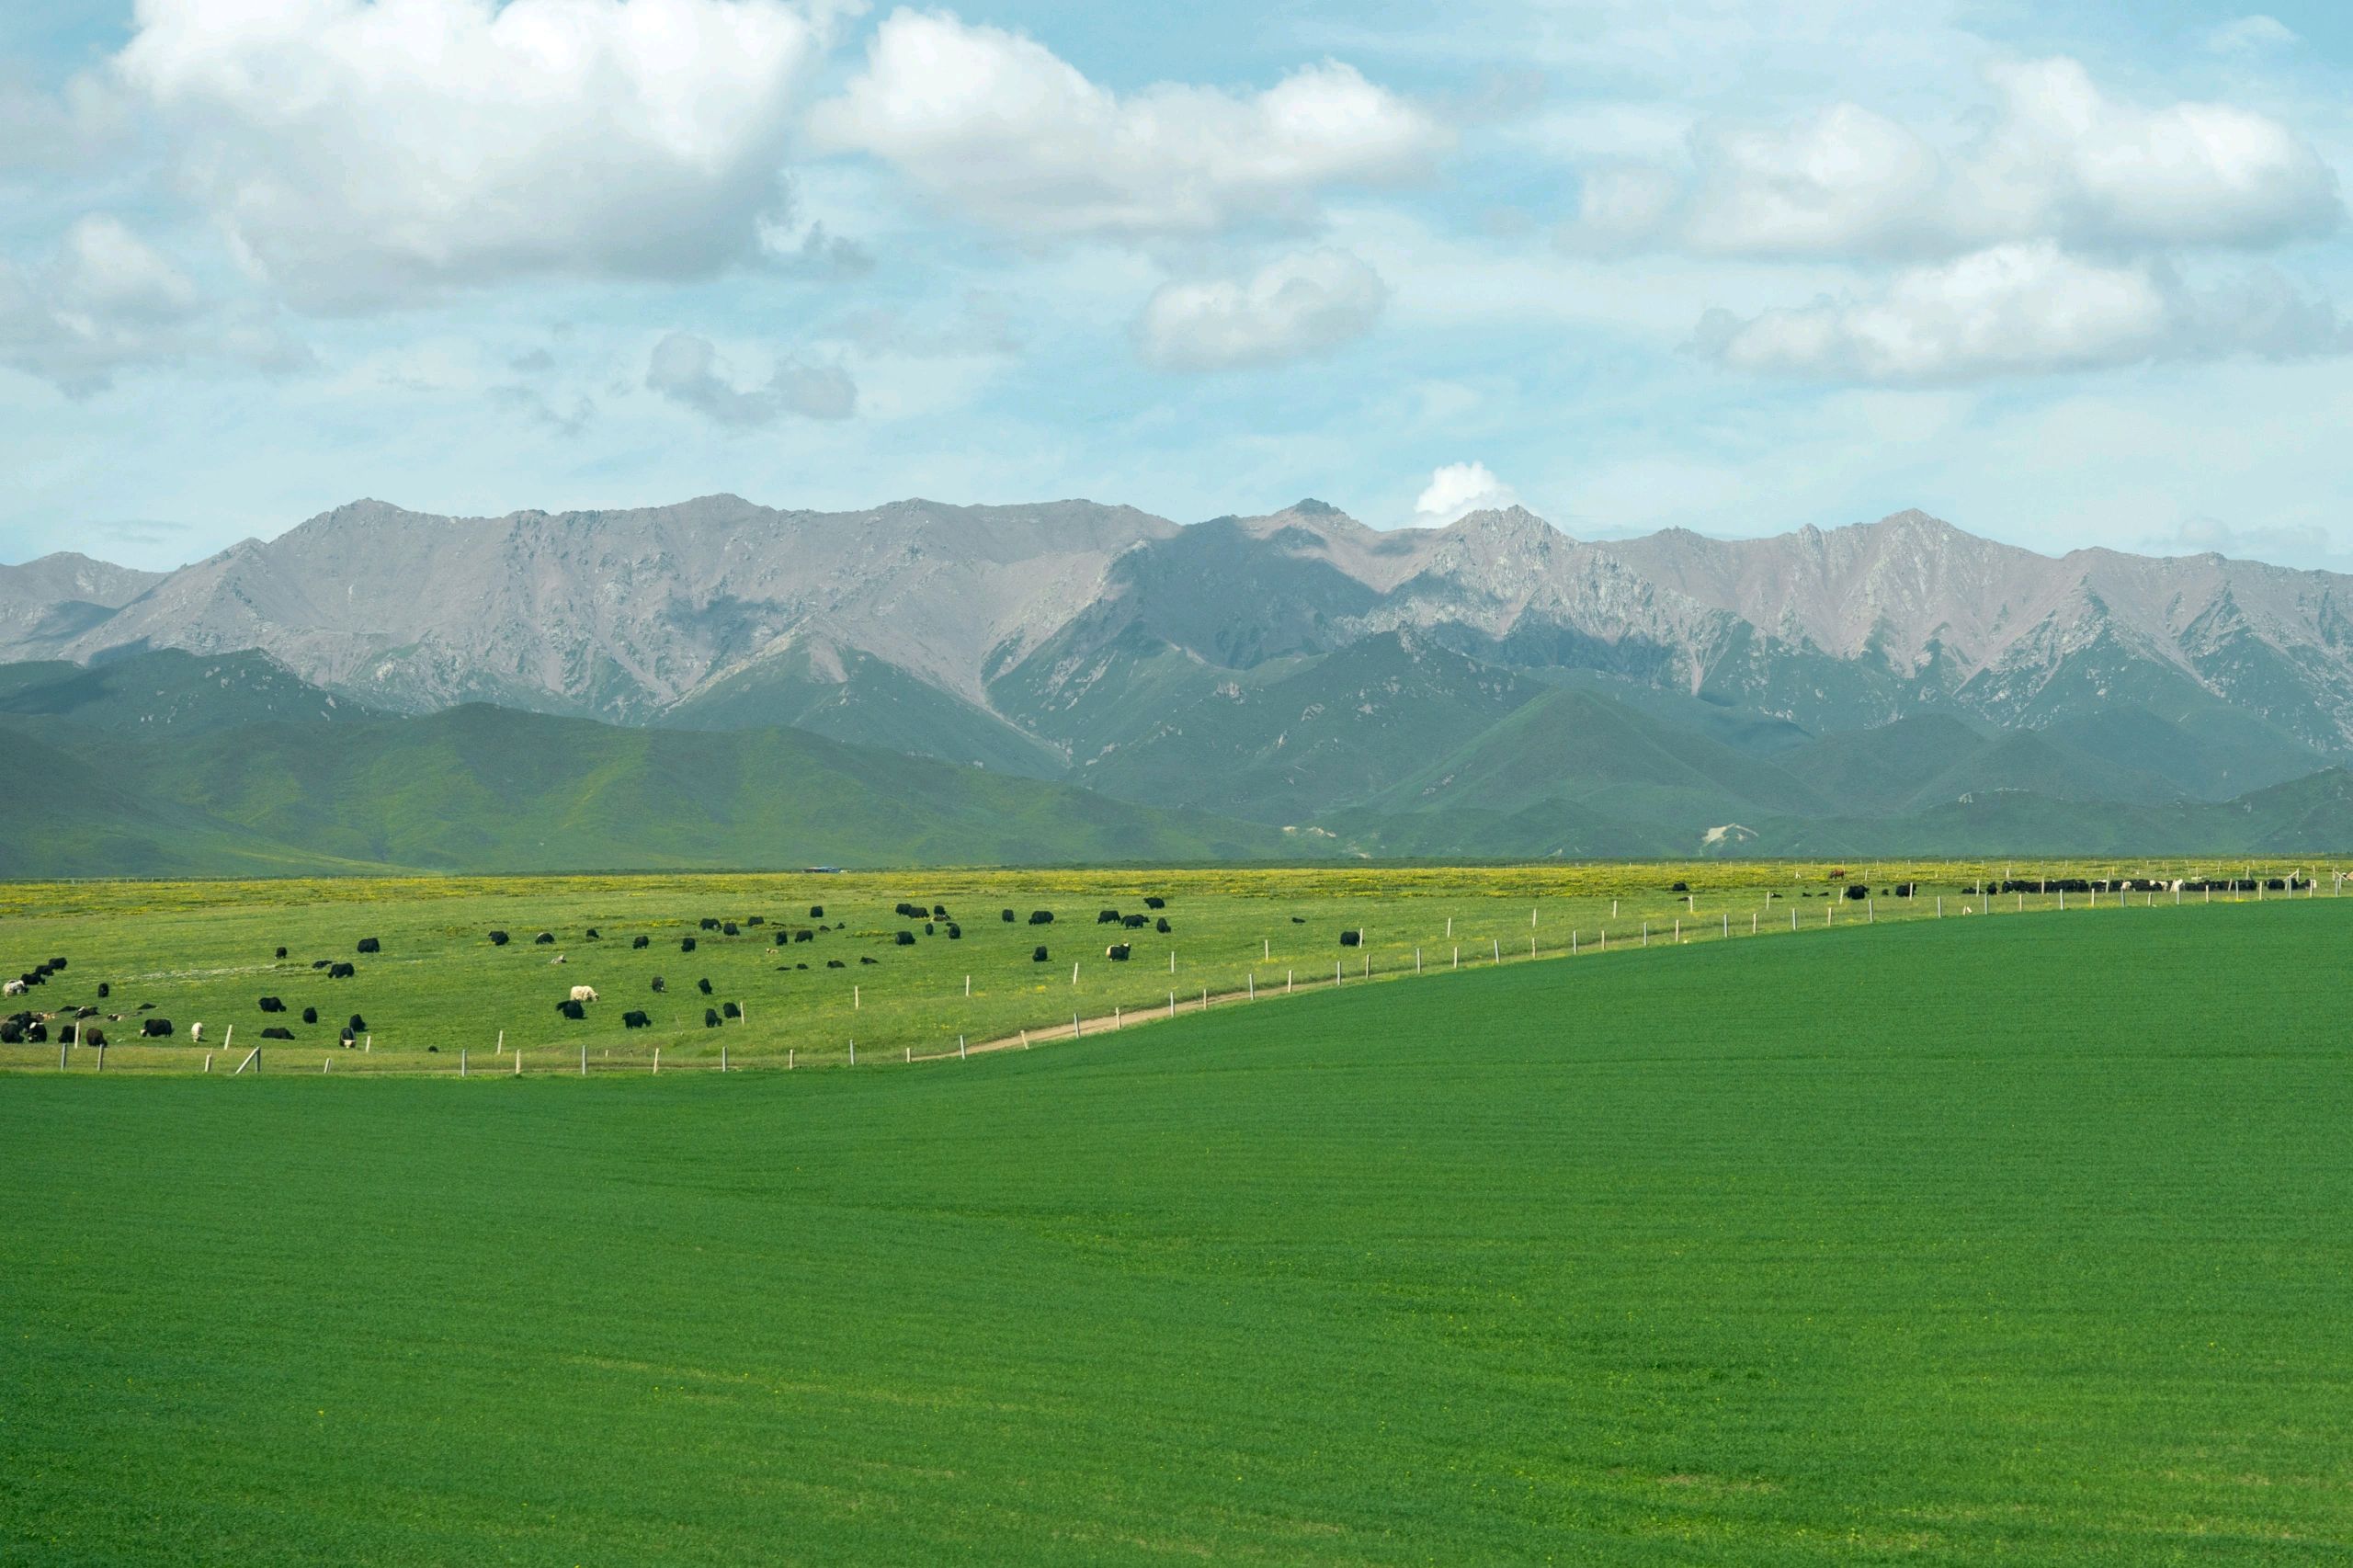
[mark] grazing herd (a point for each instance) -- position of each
(932, 918)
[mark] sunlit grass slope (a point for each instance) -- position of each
(1963, 1241)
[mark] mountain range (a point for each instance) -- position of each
(1288, 684)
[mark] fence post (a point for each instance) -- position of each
(960, 1048)
(722, 1059)
(208, 1061)
(584, 1060)
(657, 1059)
(461, 1062)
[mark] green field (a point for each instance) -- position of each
(204, 952)
(1963, 1241)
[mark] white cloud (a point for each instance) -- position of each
(687, 370)
(2251, 35)
(995, 126)
(2059, 160)
(2024, 308)
(364, 151)
(1457, 489)
(1300, 305)
(107, 302)
(67, 129)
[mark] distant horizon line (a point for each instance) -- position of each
(1307, 506)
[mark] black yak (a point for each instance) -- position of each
(1857, 890)
(637, 942)
(1107, 917)
(1042, 917)
(816, 911)
(711, 1017)
(955, 932)
(593, 935)
(155, 1029)
(907, 938)
(1350, 938)
(272, 1005)
(658, 985)
(708, 923)
(1156, 903)
(730, 929)
(310, 1014)
(864, 959)
(357, 1025)
(545, 939)
(497, 939)
(281, 952)
(731, 1010)
(1117, 952)
(634, 1019)
(1135, 922)
(371, 945)
(703, 986)
(277, 1034)
(105, 990)
(1007, 915)
(1161, 924)
(1037, 955)
(571, 1010)
(836, 964)
(341, 971)
(686, 943)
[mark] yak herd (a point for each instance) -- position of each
(27, 1026)
(933, 918)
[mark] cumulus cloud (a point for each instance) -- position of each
(2024, 308)
(358, 152)
(689, 370)
(1300, 305)
(108, 302)
(2287, 544)
(2251, 35)
(1456, 490)
(2059, 160)
(995, 126)
(72, 127)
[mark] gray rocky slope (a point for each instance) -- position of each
(1034, 623)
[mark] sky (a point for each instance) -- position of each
(2065, 274)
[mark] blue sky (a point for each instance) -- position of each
(2063, 274)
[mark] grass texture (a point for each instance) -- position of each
(1960, 1240)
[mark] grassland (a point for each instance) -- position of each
(1979, 1240)
(204, 952)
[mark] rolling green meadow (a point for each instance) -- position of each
(2009, 1239)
